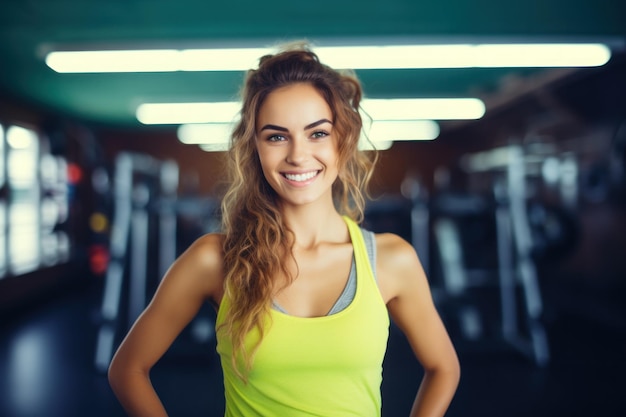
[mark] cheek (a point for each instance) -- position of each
(263, 157)
(268, 161)
(331, 156)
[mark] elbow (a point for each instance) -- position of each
(118, 374)
(123, 374)
(453, 378)
(452, 367)
(448, 371)
(455, 375)
(113, 374)
(453, 370)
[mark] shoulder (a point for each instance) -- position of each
(201, 265)
(206, 251)
(397, 265)
(395, 252)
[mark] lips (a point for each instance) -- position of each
(300, 177)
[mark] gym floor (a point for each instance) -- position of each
(46, 365)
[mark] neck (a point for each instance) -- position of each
(312, 225)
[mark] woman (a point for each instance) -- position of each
(303, 294)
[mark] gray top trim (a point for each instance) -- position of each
(349, 291)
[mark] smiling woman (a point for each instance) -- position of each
(303, 294)
(299, 158)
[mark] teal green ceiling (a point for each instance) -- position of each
(28, 27)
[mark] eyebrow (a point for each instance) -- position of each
(284, 129)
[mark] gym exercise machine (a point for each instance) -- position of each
(137, 179)
(516, 270)
(144, 243)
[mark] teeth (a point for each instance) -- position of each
(301, 177)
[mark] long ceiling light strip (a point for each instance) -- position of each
(180, 113)
(379, 131)
(466, 56)
(425, 108)
(402, 130)
(376, 109)
(205, 133)
(354, 57)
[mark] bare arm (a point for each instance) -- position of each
(194, 278)
(405, 289)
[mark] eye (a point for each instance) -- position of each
(318, 134)
(276, 138)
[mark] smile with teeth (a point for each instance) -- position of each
(301, 177)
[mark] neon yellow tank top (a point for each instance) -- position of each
(320, 366)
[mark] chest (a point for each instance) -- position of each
(319, 278)
(355, 338)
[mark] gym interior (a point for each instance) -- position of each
(518, 214)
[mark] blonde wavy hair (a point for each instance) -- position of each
(257, 241)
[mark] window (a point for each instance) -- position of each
(23, 204)
(33, 203)
(3, 212)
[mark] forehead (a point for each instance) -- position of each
(296, 102)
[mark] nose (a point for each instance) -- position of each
(298, 151)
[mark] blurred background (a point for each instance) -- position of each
(515, 200)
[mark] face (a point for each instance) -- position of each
(296, 145)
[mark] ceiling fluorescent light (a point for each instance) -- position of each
(214, 147)
(396, 56)
(375, 109)
(149, 60)
(424, 108)
(205, 133)
(232, 59)
(465, 56)
(541, 55)
(368, 145)
(402, 130)
(179, 113)
(353, 57)
(155, 60)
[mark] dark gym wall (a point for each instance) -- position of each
(194, 164)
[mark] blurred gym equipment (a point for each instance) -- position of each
(137, 178)
(143, 244)
(506, 209)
